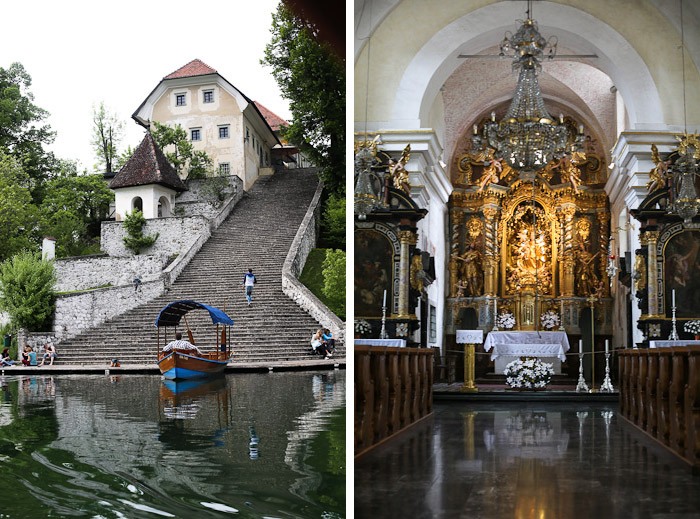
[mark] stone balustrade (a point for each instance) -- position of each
(660, 394)
(393, 390)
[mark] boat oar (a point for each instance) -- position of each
(190, 335)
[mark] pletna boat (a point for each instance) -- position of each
(181, 360)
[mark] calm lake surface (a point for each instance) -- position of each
(244, 445)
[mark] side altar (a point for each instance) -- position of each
(508, 346)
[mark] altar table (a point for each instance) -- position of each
(670, 344)
(509, 346)
(401, 343)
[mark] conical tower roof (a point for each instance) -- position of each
(147, 165)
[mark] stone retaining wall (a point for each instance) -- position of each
(304, 241)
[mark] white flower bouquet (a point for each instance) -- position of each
(692, 327)
(550, 320)
(505, 320)
(362, 327)
(528, 373)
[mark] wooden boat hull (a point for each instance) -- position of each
(182, 366)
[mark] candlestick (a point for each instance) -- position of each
(607, 386)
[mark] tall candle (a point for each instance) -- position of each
(673, 298)
(580, 345)
(384, 303)
(607, 347)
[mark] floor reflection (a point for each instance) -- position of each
(526, 461)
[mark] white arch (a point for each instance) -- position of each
(437, 59)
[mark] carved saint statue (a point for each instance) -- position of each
(586, 277)
(397, 170)
(568, 168)
(472, 273)
(658, 175)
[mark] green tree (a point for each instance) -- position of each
(73, 209)
(107, 132)
(313, 80)
(22, 132)
(18, 214)
(180, 152)
(124, 157)
(334, 280)
(27, 290)
(333, 223)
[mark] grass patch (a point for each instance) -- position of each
(312, 278)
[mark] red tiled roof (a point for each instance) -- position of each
(193, 68)
(274, 121)
(146, 166)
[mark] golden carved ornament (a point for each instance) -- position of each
(583, 228)
(474, 227)
(686, 140)
(397, 170)
(640, 273)
(658, 175)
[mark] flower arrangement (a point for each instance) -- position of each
(692, 327)
(550, 320)
(362, 327)
(528, 373)
(505, 320)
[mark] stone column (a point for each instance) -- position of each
(406, 239)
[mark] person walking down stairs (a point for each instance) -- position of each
(249, 281)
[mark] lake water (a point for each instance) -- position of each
(244, 445)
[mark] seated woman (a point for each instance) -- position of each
(49, 353)
(5, 359)
(319, 345)
(28, 356)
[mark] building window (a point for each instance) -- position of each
(180, 99)
(247, 134)
(224, 169)
(196, 134)
(433, 325)
(208, 96)
(223, 132)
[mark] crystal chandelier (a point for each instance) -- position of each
(527, 138)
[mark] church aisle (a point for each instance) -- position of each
(524, 460)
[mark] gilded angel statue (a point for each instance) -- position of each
(658, 175)
(568, 168)
(397, 170)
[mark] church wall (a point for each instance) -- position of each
(207, 117)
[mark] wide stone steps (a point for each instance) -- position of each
(256, 235)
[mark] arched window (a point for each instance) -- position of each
(164, 207)
(137, 204)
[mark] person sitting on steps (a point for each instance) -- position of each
(328, 340)
(319, 345)
(49, 353)
(5, 359)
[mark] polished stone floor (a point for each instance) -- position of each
(557, 460)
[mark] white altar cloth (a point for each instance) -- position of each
(530, 344)
(401, 343)
(670, 344)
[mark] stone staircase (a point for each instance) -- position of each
(257, 234)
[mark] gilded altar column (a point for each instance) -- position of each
(457, 216)
(566, 272)
(491, 212)
(406, 239)
(652, 237)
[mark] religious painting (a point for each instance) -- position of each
(373, 269)
(682, 273)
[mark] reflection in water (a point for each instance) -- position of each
(133, 446)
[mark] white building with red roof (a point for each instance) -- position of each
(218, 118)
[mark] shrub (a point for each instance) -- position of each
(134, 240)
(333, 223)
(27, 290)
(334, 280)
